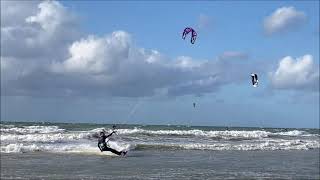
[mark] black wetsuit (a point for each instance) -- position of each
(103, 145)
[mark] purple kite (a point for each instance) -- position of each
(193, 34)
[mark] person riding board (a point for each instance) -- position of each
(102, 144)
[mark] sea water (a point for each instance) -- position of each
(69, 151)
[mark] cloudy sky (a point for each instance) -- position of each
(125, 62)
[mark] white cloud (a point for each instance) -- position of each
(113, 66)
(13, 13)
(51, 15)
(33, 34)
(52, 59)
(297, 74)
(119, 68)
(36, 32)
(98, 55)
(283, 19)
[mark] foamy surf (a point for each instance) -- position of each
(31, 129)
(55, 139)
(226, 134)
(56, 148)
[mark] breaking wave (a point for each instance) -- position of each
(30, 129)
(268, 145)
(58, 140)
(232, 134)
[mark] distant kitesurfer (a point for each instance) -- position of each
(254, 79)
(103, 145)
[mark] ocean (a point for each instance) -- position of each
(31, 150)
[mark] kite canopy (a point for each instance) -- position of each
(193, 34)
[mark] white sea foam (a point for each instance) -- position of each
(90, 147)
(54, 139)
(20, 147)
(293, 133)
(247, 146)
(196, 132)
(32, 130)
(215, 134)
(54, 134)
(7, 126)
(59, 148)
(58, 137)
(267, 145)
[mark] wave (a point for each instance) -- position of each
(294, 133)
(60, 148)
(54, 139)
(196, 132)
(30, 129)
(268, 145)
(89, 147)
(55, 134)
(23, 148)
(232, 134)
(7, 126)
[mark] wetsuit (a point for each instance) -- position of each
(103, 145)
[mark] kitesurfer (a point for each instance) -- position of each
(254, 79)
(103, 145)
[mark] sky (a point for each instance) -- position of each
(125, 62)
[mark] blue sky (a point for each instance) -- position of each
(232, 25)
(232, 42)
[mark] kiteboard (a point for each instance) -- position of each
(116, 146)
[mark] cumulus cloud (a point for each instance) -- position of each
(33, 34)
(46, 55)
(297, 74)
(283, 19)
(98, 55)
(51, 16)
(38, 31)
(115, 66)
(13, 13)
